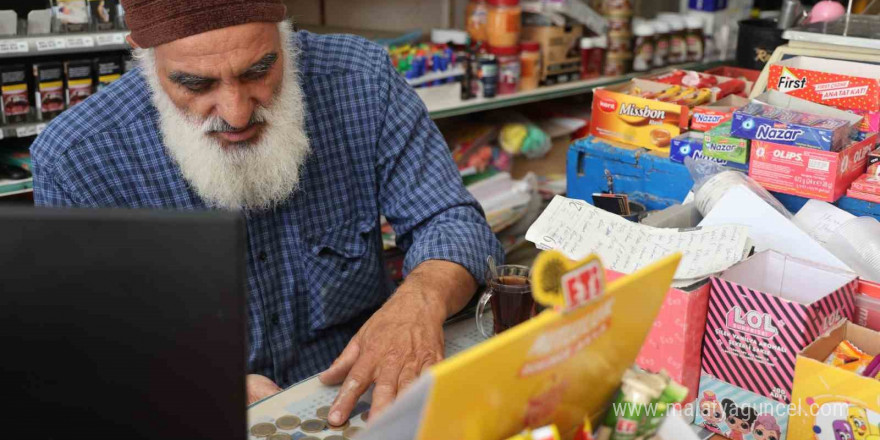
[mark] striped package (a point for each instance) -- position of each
(765, 310)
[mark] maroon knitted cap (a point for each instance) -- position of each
(156, 22)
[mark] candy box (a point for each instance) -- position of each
(868, 184)
(765, 310)
(736, 413)
(690, 144)
(621, 115)
(806, 172)
(830, 403)
(868, 197)
(707, 117)
(783, 119)
(867, 311)
(874, 163)
(719, 144)
(841, 84)
(736, 72)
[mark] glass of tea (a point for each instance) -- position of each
(509, 294)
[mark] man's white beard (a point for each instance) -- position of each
(255, 176)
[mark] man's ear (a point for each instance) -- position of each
(131, 42)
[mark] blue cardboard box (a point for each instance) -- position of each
(782, 119)
(707, 5)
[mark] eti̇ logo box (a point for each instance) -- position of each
(806, 172)
(842, 84)
(763, 312)
(620, 114)
(831, 403)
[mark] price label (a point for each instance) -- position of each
(41, 128)
(79, 42)
(114, 39)
(13, 46)
(583, 284)
(1, 134)
(50, 44)
(26, 130)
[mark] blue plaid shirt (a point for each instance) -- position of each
(315, 269)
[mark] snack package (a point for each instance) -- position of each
(719, 144)
(848, 357)
(637, 391)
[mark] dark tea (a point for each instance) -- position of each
(511, 301)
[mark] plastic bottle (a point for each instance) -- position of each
(489, 75)
(477, 16)
(509, 68)
(600, 49)
(694, 38)
(504, 24)
(661, 42)
(587, 46)
(530, 59)
(643, 56)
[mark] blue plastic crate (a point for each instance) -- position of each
(651, 179)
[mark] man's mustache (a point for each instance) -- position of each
(216, 124)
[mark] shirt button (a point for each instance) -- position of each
(275, 319)
(262, 256)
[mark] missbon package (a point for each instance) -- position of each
(778, 118)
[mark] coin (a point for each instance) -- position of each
(334, 437)
(341, 427)
(287, 422)
(313, 426)
(280, 436)
(309, 438)
(263, 430)
(323, 412)
(351, 432)
(365, 415)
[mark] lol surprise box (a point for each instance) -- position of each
(765, 310)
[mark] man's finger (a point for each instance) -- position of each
(428, 360)
(356, 383)
(408, 375)
(342, 365)
(386, 385)
(259, 387)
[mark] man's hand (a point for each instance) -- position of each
(401, 340)
(259, 387)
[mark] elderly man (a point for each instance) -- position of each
(313, 137)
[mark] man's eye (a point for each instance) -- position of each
(254, 76)
(197, 87)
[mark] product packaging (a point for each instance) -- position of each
(719, 144)
(845, 85)
(621, 116)
(736, 72)
(104, 14)
(783, 119)
(72, 15)
(707, 117)
(807, 172)
(14, 86)
(707, 5)
(867, 184)
(561, 60)
(833, 403)
(690, 144)
(874, 163)
(80, 81)
(867, 311)
(108, 70)
(765, 310)
(49, 93)
(737, 413)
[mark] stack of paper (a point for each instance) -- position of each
(503, 199)
(578, 229)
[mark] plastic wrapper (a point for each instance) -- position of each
(712, 181)
(857, 243)
(849, 357)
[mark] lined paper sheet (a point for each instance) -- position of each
(578, 229)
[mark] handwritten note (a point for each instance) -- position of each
(579, 229)
(821, 219)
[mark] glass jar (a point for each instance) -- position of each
(504, 24)
(677, 43)
(694, 38)
(661, 42)
(530, 60)
(509, 68)
(643, 47)
(477, 18)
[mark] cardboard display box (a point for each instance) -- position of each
(765, 310)
(719, 144)
(867, 311)
(690, 144)
(868, 184)
(622, 117)
(832, 403)
(719, 403)
(560, 51)
(807, 172)
(783, 119)
(845, 85)
(736, 72)
(707, 117)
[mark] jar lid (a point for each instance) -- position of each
(530, 46)
(694, 22)
(643, 30)
(660, 26)
(587, 43)
(504, 2)
(504, 51)
(601, 42)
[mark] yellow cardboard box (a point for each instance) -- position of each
(829, 403)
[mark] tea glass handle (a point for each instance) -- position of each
(481, 308)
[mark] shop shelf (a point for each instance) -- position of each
(62, 44)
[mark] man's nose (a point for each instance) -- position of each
(235, 106)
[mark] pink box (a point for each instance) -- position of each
(867, 311)
(765, 310)
(807, 172)
(675, 341)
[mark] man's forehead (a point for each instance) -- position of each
(238, 46)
